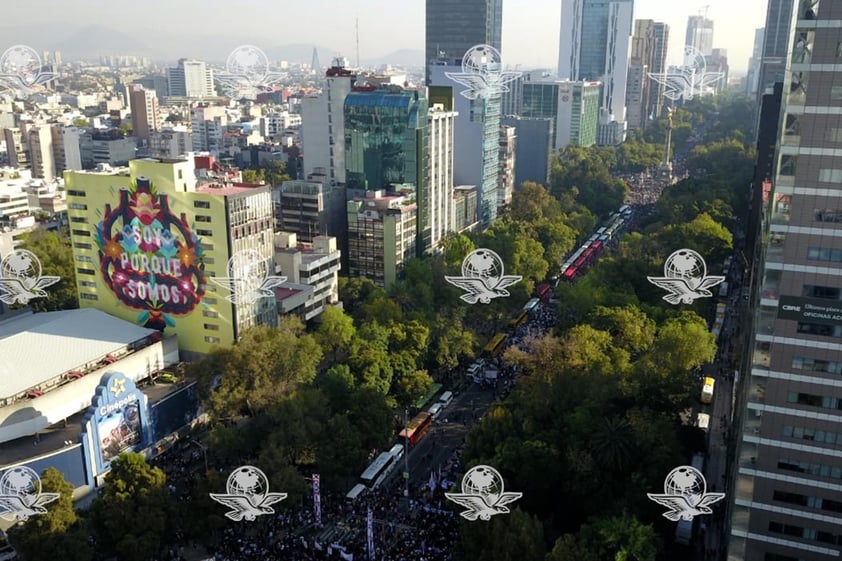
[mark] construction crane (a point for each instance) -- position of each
(705, 8)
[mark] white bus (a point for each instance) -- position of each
(374, 475)
(435, 410)
(397, 452)
(355, 492)
(446, 398)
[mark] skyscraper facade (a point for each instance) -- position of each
(659, 66)
(386, 139)
(572, 106)
(641, 62)
(753, 74)
(776, 41)
(594, 46)
(476, 135)
(454, 26)
(787, 496)
(700, 34)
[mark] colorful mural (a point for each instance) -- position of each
(149, 257)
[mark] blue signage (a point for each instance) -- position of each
(118, 421)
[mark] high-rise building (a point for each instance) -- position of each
(718, 62)
(659, 66)
(776, 43)
(191, 78)
(594, 46)
(386, 139)
(699, 34)
(454, 26)
(43, 163)
(477, 136)
(323, 123)
(506, 187)
(511, 101)
(441, 123)
(786, 498)
(147, 239)
(146, 117)
(573, 107)
(170, 142)
(382, 236)
(533, 148)
(753, 74)
(641, 62)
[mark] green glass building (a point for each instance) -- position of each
(386, 141)
(573, 107)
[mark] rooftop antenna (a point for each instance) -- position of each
(706, 8)
(358, 42)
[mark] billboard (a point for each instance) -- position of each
(810, 310)
(149, 258)
(118, 421)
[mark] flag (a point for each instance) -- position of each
(370, 534)
(432, 483)
(317, 499)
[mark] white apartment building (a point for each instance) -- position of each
(67, 148)
(323, 124)
(208, 126)
(315, 265)
(441, 126)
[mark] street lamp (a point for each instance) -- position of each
(204, 452)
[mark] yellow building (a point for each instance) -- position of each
(148, 241)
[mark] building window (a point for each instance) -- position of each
(202, 218)
(181, 174)
(816, 365)
(86, 296)
(79, 219)
(820, 329)
(204, 233)
(84, 259)
(74, 193)
(824, 292)
(211, 327)
(210, 314)
(87, 284)
(82, 246)
(77, 206)
(209, 339)
(828, 214)
(836, 93)
(201, 204)
(83, 233)
(829, 175)
(824, 254)
(86, 271)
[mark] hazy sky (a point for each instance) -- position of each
(530, 27)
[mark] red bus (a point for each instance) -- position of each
(571, 272)
(543, 292)
(417, 428)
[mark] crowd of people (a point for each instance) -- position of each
(424, 528)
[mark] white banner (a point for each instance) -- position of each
(317, 499)
(370, 534)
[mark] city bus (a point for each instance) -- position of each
(531, 305)
(425, 400)
(543, 292)
(374, 474)
(518, 320)
(496, 345)
(355, 492)
(417, 428)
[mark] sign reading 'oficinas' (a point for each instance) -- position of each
(149, 258)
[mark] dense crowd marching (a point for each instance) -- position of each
(426, 531)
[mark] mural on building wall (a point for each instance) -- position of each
(149, 257)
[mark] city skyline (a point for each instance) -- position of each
(734, 25)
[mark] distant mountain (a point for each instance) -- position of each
(401, 57)
(75, 41)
